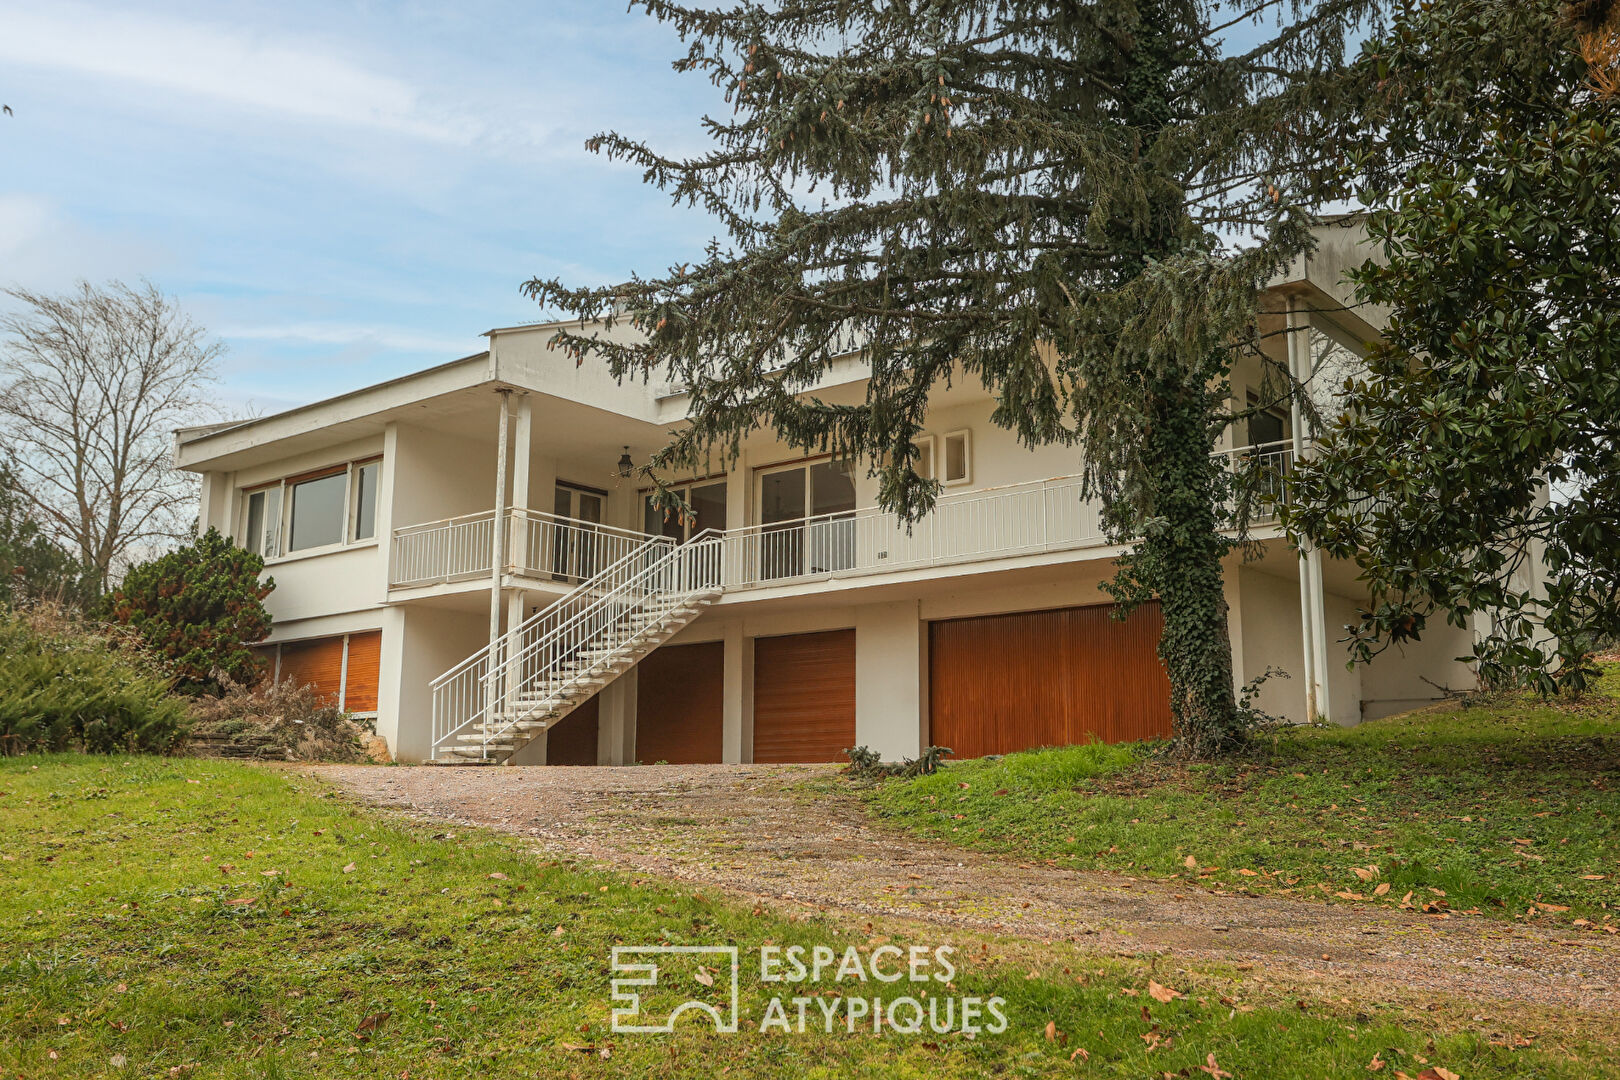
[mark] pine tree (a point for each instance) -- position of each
(1075, 204)
(199, 607)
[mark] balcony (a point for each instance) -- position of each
(540, 545)
(1015, 520)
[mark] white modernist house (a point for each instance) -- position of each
(459, 553)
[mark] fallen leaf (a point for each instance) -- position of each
(1435, 1072)
(349, 869)
(1080, 1052)
(498, 876)
(1383, 887)
(1375, 1064)
(239, 901)
(1214, 1070)
(704, 977)
(1051, 1031)
(1191, 863)
(1162, 994)
(372, 1022)
(1551, 907)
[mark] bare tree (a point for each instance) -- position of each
(92, 384)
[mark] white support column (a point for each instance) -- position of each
(889, 655)
(1312, 609)
(388, 475)
(498, 552)
(737, 697)
(522, 434)
(616, 721)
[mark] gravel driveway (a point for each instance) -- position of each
(791, 834)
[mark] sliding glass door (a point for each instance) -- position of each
(806, 512)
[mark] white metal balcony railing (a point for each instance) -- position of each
(987, 523)
(541, 545)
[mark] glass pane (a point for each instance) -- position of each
(365, 500)
(272, 523)
(956, 467)
(1265, 428)
(781, 496)
(652, 518)
(253, 533)
(590, 508)
(317, 512)
(781, 499)
(832, 488)
(562, 503)
(709, 506)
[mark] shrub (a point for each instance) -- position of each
(64, 684)
(199, 607)
(282, 720)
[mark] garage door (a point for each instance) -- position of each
(1002, 683)
(679, 704)
(573, 740)
(804, 697)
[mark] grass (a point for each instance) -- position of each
(1508, 809)
(200, 918)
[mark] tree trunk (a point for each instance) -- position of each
(1180, 560)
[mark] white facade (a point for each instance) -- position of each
(491, 491)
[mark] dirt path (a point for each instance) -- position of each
(754, 830)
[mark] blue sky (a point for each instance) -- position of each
(341, 191)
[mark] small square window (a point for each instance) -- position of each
(958, 458)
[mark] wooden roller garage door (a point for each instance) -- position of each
(679, 704)
(1002, 683)
(573, 740)
(804, 697)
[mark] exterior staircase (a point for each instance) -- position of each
(494, 702)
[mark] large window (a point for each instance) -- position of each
(707, 498)
(312, 510)
(807, 513)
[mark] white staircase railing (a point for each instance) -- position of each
(518, 685)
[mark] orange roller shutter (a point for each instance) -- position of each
(365, 658)
(317, 663)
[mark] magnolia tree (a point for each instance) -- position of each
(1486, 438)
(1033, 195)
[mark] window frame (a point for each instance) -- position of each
(930, 444)
(966, 435)
(350, 471)
(685, 487)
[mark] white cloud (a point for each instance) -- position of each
(288, 76)
(349, 334)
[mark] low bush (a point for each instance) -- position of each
(282, 720)
(67, 684)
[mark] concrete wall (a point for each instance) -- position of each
(417, 644)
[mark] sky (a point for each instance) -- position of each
(340, 191)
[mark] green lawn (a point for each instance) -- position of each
(201, 918)
(1509, 809)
